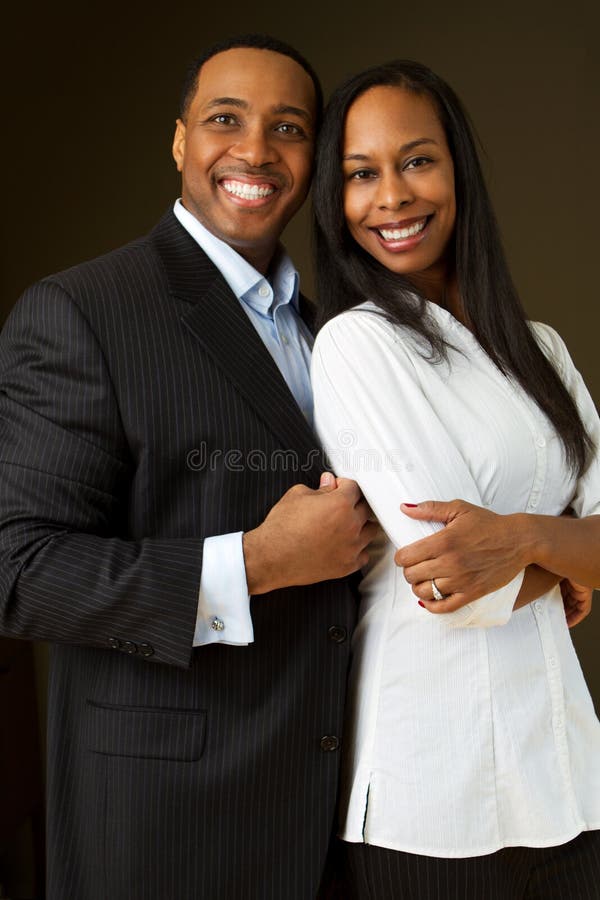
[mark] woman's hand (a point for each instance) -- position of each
(479, 552)
(577, 600)
(476, 553)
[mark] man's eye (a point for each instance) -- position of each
(224, 119)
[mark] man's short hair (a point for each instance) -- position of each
(256, 41)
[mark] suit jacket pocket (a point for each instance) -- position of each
(146, 732)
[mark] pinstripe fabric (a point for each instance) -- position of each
(185, 773)
(568, 872)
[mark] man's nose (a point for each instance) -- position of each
(256, 147)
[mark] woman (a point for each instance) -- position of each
(473, 752)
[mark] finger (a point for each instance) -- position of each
(578, 607)
(420, 551)
(431, 510)
(351, 489)
(424, 590)
(369, 532)
(575, 616)
(364, 510)
(328, 482)
(422, 572)
(449, 604)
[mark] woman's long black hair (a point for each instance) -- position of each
(346, 275)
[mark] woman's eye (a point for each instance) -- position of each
(417, 162)
(360, 174)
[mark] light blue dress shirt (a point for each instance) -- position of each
(272, 305)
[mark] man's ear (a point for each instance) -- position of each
(179, 145)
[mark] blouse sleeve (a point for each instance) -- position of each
(377, 426)
(586, 500)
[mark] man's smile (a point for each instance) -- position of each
(253, 193)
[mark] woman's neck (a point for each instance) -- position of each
(443, 291)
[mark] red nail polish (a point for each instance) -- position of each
(412, 505)
(422, 604)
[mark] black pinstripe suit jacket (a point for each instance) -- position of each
(139, 413)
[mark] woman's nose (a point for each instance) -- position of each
(393, 192)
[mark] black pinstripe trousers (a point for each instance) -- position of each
(568, 872)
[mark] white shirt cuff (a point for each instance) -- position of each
(223, 601)
(493, 609)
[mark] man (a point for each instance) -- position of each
(155, 407)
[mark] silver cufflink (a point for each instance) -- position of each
(217, 624)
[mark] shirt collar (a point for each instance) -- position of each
(242, 278)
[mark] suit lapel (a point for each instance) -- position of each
(216, 319)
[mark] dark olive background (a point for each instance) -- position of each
(91, 100)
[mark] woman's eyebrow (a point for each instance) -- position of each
(405, 148)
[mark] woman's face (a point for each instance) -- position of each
(399, 198)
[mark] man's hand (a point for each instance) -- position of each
(476, 553)
(309, 536)
(577, 600)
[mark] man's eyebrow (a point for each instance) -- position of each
(284, 110)
(405, 148)
(227, 101)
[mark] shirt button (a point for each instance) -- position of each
(263, 290)
(552, 662)
(217, 624)
(329, 743)
(337, 634)
(284, 340)
(541, 442)
(537, 606)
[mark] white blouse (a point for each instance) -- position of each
(475, 730)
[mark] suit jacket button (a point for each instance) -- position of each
(329, 742)
(129, 647)
(115, 643)
(146, 650)
(337, 634)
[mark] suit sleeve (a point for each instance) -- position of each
(68, 572)
(377, 427)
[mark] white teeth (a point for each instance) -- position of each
(247, 191)
(398, 234)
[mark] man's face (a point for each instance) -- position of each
(245, 151)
